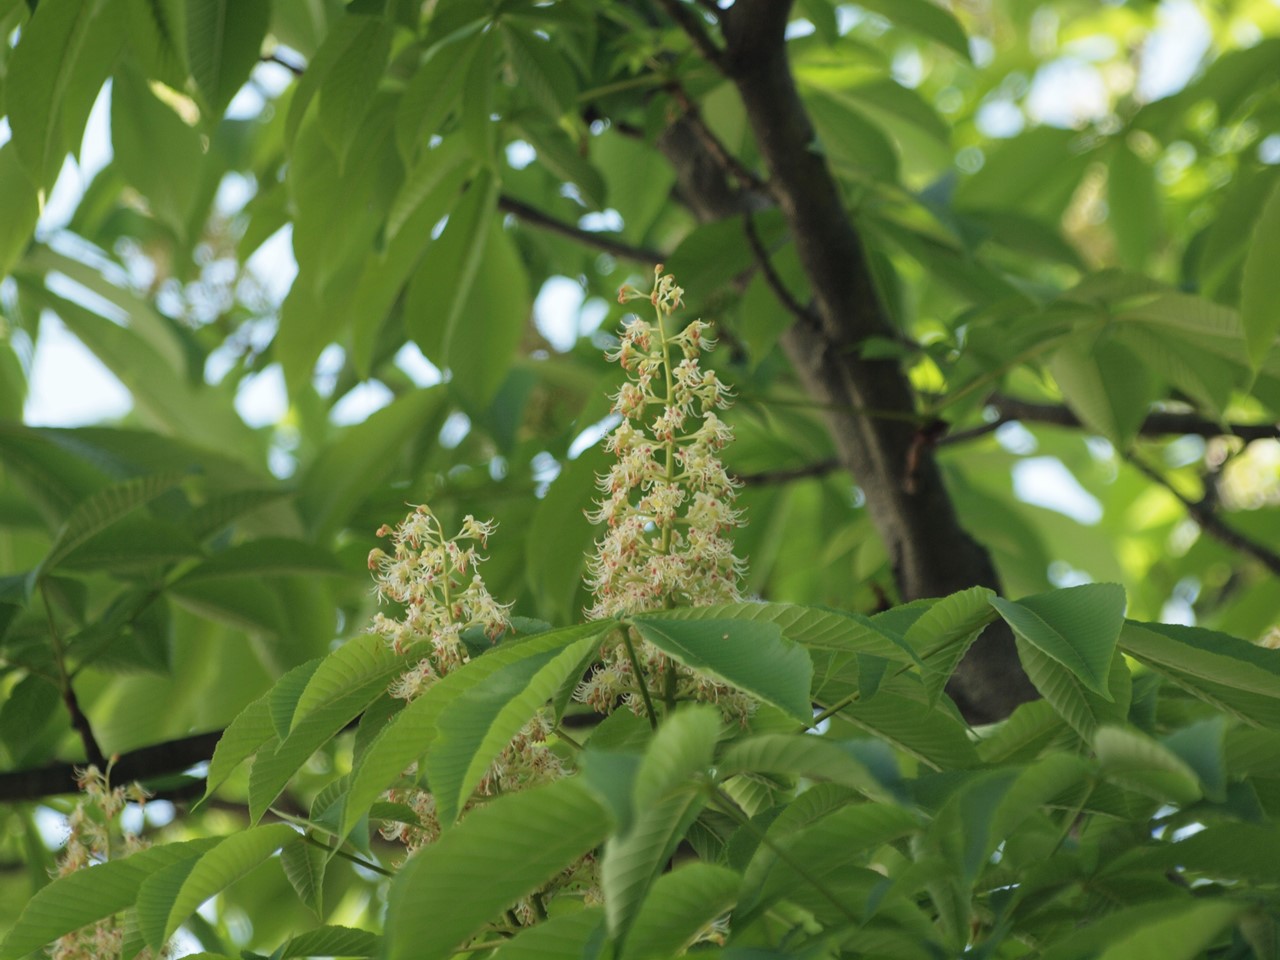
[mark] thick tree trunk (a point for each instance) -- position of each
(909, 505)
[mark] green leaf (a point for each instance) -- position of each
(542, 71)
(1181, 936)
(224, 38)
(251, 728)
(665, 800)
(63, 58)
(266, 557)
(350, 467)
(1133, 206)
(1197, 653)
(932, 736)
(568, 935)
(1077, 626)
(1135, 761)
(359, 661)
(438, 293)
(433, 91)
(231, 859)
(304, 866)
(1260, 285)
(924, 18)
(486, 335)
(85, 896)
(751, 655)
(1083, 709)
(158, 154)
(680, 905)
(349, 84)
(310, 731)
(945, 632)
(19, 209)
(498, 854)
(105, 508)
(814, 758)
(849, 140)
(1104, 383)
(475, 727)
(331, 941)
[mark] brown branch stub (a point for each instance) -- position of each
(598, 241)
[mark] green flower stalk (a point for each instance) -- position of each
(667, 501)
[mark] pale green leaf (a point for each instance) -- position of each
(86, 896)
(1181, 936)
(304, 866)
(943, 634)
(474, 728)
(354, 664)
(681, 904)
(498, 854)
(1260, 286)
(19, 208)
(1135, 761)
(231, 859)
(1077, 626)
(1083, 709)
(568, 935)
(331, 941)
(751, 655)
(224, 39)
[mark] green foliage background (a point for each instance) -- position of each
(1111, 286)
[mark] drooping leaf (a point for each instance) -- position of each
(750, 655)
(304, 866)
(1260, 286)
(680, 904)
(815, 758)
(224, 38)
(499, 853)
(944, 633)
(474, 728)
(1077, 626)
(85, 896)
(1083, 709)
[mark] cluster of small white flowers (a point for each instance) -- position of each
(668, 503)
(92, 824)
(434, 578)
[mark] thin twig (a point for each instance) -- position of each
(746, 178)
(794, 307)
(1203, 513)
(79, 721)
(694, 28)
(275, 58)
(599, 241)
(1157, 424)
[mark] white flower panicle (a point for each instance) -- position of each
(667, 501)
(435, 579)
(95, 835)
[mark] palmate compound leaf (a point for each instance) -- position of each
(751, 655)
(169, 897)
(499, 853)
(86, 896)
(410, 733)
(943, 634)
(666, 798)
(1078, 627)
(474, 728)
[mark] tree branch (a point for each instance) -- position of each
(145, 763)
(818, 468)
(1207, 518)
(1157, 424)
(598, 241)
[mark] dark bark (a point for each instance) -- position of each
(891, 458)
